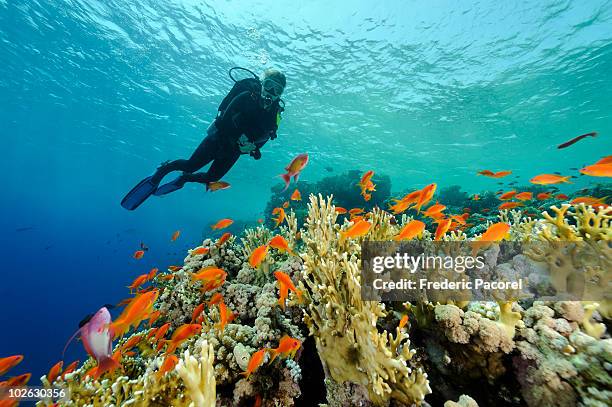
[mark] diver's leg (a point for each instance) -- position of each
(219, 167)
(202, 155)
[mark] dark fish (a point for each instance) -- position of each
(518, 176)
(143, 247)
(23, 229)
(48, 247)
(574, 169)
(557, 172)
(500, 183)
(329, 169)
(575, 139)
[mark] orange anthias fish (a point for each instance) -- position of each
(9, 362)
(175, 235)
(197, 312)
(399, 206)
(200, 251)
(487, 173)
(507, 195)
(215, 299)
(434, 210)
(285, 284)
(411, 230)
(605, 160)
(294, 169)
(217, 186)
(501, 174)
(442, 228)
(168, 364)
(224, 238)
(542, 196)
(548, 179)
(296, 196)
(587, 200)
(54, 372)
(138, 281)
(222, 224)
(211, 277)
(152, 274)
(180, 335)
(137, 310)
(69, 369)
(133, 341)
(281, 216)
(494, 233)
(138, 254)
(225, 316)
(524, 196)
(154, 317)
(561, 197)
(287, 347)
(17, 381)
(425, 196)
(476, 197)
(340, 210)
(355, 211)
(174, 268)
(162, 331)
(597, 170)
(285, 204)
(510, 205)
(255, 362)
(258, 255)
(403, 321)
(279, 243)
(358, 229)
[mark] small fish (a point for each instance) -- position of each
(175, 235)
(296, 195)
(355, 211)
(200, 251)
(507, 195)
(357, 229)
(287, 347)
(597, 170)
(144, 247)
(151, 274)
(605, 160)
(225, 316)
(434, 210)
(174, 268)
(562, 197)
(425, 196)
(162, 331)
(285, 283)
(197, 312)
(329, 169)
(510, 205)
(258, 255)
(138, 254)
(69, 369)
(590, 201)
(55, 371)
(476, 197)
(403, 321)
(281, 216)
(211, 277)
(576, 139)
(154, 316)
(294, 169)
(9, 362)
(217, 186)
(340, 210)
(25, 228)
(524, 196)
(255, 362)
(167, 365)
(411, 230)
(17, 381)
(556, 173)
(222, 224)
(499, 174)
(135, 312)
(260, 221)
(442, 228)
(547, 179)
(215, 299)
(133, 341)
(224, 238)
(138, 281)
(485, 210)
(500, 183)
(542, 196)
(279, 243)
(180, 335)
(494, 233)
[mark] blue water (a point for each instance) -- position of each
(95, 94)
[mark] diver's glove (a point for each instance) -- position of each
(245, 145)
(256, 154)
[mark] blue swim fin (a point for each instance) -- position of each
(139, 194)
(171, 186)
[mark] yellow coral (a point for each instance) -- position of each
(344, 326)
(199, 376)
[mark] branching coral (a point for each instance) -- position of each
(199, 376)
(349, 344)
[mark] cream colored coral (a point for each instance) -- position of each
(344, 326)
(199, 376)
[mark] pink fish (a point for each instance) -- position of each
(98, 341)
(294, 168)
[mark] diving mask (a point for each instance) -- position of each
(270, 92)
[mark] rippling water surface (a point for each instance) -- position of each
(95, 94)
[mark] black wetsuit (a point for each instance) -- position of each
(243, 115)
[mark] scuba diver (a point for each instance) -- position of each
(247, 118)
